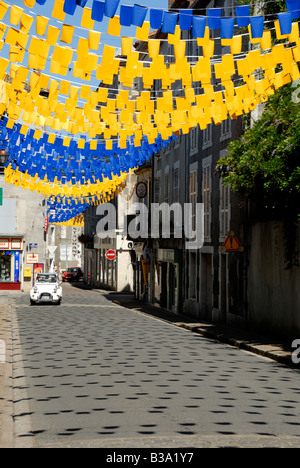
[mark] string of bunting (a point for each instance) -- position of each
(82, 155)
(137, 14)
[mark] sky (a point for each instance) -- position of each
(46, 10)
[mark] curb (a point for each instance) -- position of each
(278, 356)
(261, 349)
(7, 422)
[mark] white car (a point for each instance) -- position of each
(47, 288)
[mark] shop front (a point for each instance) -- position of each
(11, 249)
(114, 274)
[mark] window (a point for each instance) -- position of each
(170, 54)
(226, 129)
(166, 189)
(193, 185)
(176, 185)
(224, 210)
(206, 188)
(207, 136)
(156, 190)
(5, 267)
(194, 140)
(192, 276)
(178, 140)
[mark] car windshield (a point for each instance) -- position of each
(72, 270)
(46, 279)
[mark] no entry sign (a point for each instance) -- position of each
(111, 254)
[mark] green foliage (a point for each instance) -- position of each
(269, 8)
(263, 166)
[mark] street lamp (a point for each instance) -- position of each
(3, 159)
(3, 156)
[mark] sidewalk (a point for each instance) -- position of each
(269, 347)
(6, 396)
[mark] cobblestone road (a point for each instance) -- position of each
(93, 374)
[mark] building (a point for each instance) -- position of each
(183, 172)
(249, 288)
(64, 243)
(100, 272)
(246, 287)
(23, 239)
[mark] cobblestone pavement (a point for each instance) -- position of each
(93, 374)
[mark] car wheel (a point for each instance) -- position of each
(32, 303)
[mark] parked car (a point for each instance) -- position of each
(72, 274)
(47, 288)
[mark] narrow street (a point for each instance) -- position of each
(93, 374)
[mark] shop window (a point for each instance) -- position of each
(5, 267)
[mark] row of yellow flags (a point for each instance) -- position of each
(99, 191)
(121, 117)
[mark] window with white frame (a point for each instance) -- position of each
(193, 196)
(224, 210)
(206, 192)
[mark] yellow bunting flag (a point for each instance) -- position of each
(86, 20)
(114, 26)
(67, 33)
(53, 35)
(15, 15)
(58, 10)
(3, 9)
(94, 40)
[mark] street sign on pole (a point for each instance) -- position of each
(111, 255)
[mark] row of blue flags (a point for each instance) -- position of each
(71, 164)
(135, 15)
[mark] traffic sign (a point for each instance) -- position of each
(232, 243)
(111, 254)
